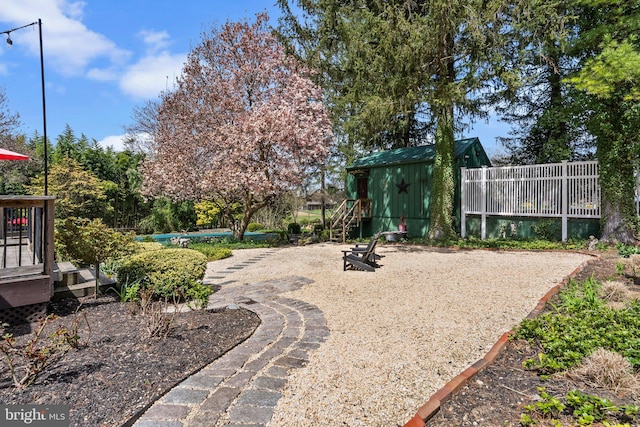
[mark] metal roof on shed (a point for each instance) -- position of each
(409, 155)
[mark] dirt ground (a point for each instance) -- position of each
(496, 395)
(118, 369)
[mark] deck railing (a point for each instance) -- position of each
(27, 250)
(561, 190)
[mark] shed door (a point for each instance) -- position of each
(363, 188)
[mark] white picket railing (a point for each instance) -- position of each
(561, 190)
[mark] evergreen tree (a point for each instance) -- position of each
(609, 76)
(394, 70)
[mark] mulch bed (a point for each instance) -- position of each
(496, 395)
(118, 370)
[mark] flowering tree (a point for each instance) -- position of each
(244, 124)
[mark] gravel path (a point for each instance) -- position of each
(399, 334)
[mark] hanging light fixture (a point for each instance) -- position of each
(9, 41)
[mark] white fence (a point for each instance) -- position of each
(561, 190)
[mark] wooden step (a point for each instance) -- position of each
(85, 285)
(65, 274)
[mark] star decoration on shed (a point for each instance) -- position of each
(402, 187)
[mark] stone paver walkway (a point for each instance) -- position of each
(243, 387)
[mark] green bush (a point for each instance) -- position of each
(212, 252)
(254, 226)
(148, 239)
(304, 222)
(294, 228)
(324, 235)
(148, 246)
(165, 272)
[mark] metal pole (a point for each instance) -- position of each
(44, 114)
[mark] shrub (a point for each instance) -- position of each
(255, 226)
(148, 246)
(212, 252)
(148, 239)
(166, 273)
(608, 370)
(325, 235)
(90, 242)
(614, 291)
(293, 228)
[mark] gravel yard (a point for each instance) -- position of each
(400, 333)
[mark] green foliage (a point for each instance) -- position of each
(254, 226)
(547, 406)
(213, 252)
(294, 228)
(79, 192)
(165, 273)
(526, 244)
(127, 292)
(167, 217)
(198, 296)
(626, 251)
(580, 324)
(546, 229)
(148, 246)
(90, 242)
(586, 409)
(618, 64)
(148, 239)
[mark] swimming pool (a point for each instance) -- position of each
(166, 238)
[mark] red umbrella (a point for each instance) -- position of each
(10, 155)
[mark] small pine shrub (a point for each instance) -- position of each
(255, 226)
(212, 252)
(166, 273)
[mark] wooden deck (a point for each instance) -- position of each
(26, 279)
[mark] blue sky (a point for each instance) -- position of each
(103, 58)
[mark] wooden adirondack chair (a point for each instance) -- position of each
(362, 258)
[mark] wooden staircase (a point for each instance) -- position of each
(73, 282)
(348, 216)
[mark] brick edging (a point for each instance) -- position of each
(432, 406)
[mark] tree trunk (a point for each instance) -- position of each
(323, 189)
(443, 187)
(618, 216)
(616, 156)
(613, 225)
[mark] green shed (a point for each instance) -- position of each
(386, 186)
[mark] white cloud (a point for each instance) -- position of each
(69, 46)
(152, 75)
(103, 74)
(115, 141)
(155, 40)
